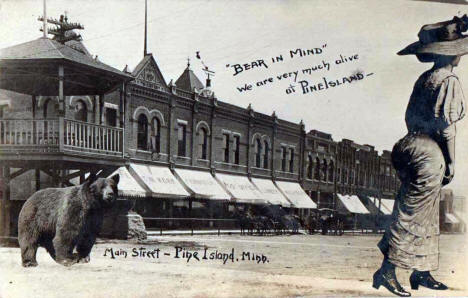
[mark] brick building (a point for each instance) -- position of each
(182, 134)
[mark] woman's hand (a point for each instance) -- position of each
(449, 173)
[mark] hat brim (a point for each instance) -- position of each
(456, 47)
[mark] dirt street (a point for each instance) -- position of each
(224, 266)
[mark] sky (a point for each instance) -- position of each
(368, 111)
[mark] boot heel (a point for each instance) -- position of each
(414, 285)
(376, 284)
(377, 281)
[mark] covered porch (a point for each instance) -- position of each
(56, 142)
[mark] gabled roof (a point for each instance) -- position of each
(45, 48)
(142, 65)
(188, 80)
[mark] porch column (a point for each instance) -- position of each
(38, 179)
(5, 203)
(62, 104)
(96, 109)
(122, 105)
(33, 105)
(101, 105)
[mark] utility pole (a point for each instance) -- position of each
(44, 22)
(63, 30)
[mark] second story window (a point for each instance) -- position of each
(81, 111)
(2, 111)
(142, 134)
(226, 147)
(284, 156)
(156, 135)
(181, 139)
(258, 153)
(236, 149)
(111, 117)
(324, 170)
(310, 166)
(266, 156)
(317, 169)
(291, 160)
(331, 168)
(203, 144)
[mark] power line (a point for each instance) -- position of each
(114, 32)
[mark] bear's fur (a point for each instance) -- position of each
(62, 219)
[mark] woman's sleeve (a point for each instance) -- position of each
(450, 105)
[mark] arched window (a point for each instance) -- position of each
(258, 152)
(265, 155)
(142, 136)
(202, 143)
(81, 111)
(310, 166)
(324, 170)
(317, 169)
(50, 109)
(50, 112)
(155, 135)
(331, 168)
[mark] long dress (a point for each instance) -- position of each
(412, 240)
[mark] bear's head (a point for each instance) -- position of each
(104, 191)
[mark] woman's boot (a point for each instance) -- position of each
(386, 277)
(425, 279)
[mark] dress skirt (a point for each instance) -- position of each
(412, 240)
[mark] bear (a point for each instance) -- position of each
(64, 219)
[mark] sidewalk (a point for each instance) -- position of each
(238, 231)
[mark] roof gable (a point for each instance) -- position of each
(148, 74)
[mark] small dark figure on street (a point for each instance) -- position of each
(425, 159)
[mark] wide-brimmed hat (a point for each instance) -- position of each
(444, 38)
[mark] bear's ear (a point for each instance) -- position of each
(91, 178)
(116, 178)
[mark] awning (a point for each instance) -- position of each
(202, 184)
(388, 204)
(451, 218)
(296, 195)
(270, 192)
(241, 189)
(383, 208)
(128, 186)
(158, 180)
(353, 204)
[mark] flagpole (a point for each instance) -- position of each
(146, 24)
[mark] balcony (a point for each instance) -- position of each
(20, 138)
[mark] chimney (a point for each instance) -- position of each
(208, 82)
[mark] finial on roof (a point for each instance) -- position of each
(188, 62)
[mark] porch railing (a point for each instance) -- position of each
(62, 135)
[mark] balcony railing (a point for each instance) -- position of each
(60, 135)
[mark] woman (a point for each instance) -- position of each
(424, 159)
